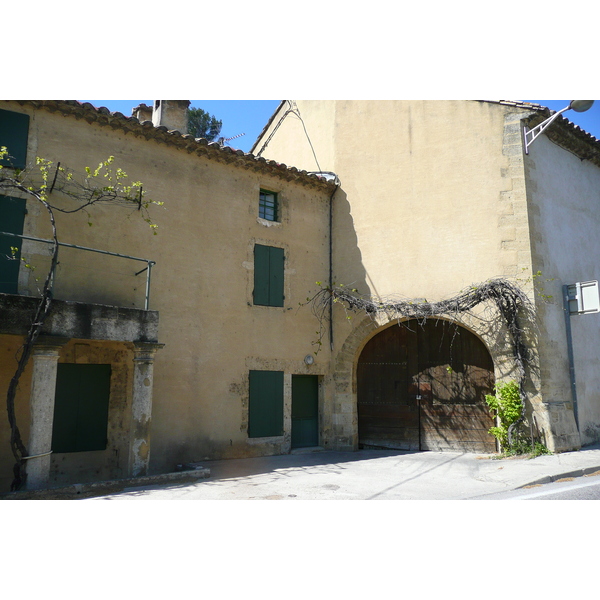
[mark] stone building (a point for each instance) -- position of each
(206, 362)
(438, 197)
(213, 356)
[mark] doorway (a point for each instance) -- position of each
(305, 411)
(422, 386)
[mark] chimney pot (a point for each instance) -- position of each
(171, 114)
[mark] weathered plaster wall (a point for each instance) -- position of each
(432, 200)
(422, 181)
(291, 144)
(564, 194)
(203, 281)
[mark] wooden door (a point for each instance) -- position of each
(305, 411)
(388, 412)
(422, 387)
(455, 373)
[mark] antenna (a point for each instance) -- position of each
(223, 141)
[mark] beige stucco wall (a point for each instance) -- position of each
(420, 209)
(564, 196)
(202, 283)
(433, 200)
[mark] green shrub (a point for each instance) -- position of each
(506, 404)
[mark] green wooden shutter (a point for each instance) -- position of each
(276, 269)
(268, 275)
(265, 414)
(12, 216)
(14, 131)
(81, 408)
(261, 275)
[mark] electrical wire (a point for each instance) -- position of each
(293, 109)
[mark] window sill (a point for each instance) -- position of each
(267, 223)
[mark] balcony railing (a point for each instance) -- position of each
(73, 266)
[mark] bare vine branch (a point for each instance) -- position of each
(67, 193)
(505, 299)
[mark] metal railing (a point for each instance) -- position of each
(148, 268)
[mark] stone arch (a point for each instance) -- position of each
(343, 434)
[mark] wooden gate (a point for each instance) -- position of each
(422, 387)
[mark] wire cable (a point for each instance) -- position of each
(293, 109)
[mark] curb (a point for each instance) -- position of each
(77, 491)
(552, 478)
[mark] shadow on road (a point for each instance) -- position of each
(244, 467)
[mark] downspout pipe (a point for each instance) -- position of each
(331, 264)
(570, 353)
(331, 176)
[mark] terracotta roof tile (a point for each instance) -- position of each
(212, 150)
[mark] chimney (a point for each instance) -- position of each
(172, 114)
(142, 112)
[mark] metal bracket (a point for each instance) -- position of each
(530, 135)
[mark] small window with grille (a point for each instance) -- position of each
(267, 205)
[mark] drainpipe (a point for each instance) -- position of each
(331, 176)
(570, 352)
(331, 264)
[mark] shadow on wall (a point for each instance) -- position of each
(348, 268)
(466, 420)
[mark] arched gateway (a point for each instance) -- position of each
(421, 386)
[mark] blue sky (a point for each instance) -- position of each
(589, 120)
(238, 116)
(250, 116)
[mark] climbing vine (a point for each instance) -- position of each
(499, 298)
(59, 189)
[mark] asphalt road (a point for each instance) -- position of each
(579, 488)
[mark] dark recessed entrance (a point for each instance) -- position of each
(422, 387)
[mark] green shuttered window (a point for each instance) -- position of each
(268, 275)
(14, 131)
(81, 408)
(265, 413)
(12, 216)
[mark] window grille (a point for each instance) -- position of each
(267, 205)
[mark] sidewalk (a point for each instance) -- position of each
(370, 475)
(324, 475)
